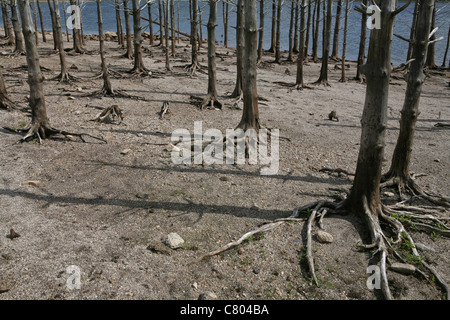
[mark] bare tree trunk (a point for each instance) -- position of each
(212, 98)
(166, 21)
(44, 38)
(225, 12)
(413, 29)
(194, 35)
(119, 23)
(39, 121)
(301, 52)
(65, 19)
(274, 27)
(431, 48)
(362, 44)
(35, 20)
(261, 30)
(237, 92)
(8, 25)
(323, 79)
(4, 13)
(64, 75)
(364, 199)
(278, 35)
(250, 113)
(446, 49)
(53, 18)
(77, 38)
(20, 47)
(137, 40)
(160, 11)
(337, 24)
(126, 12)
(291, 34)
(344, 44)
(107, 87)
(401, 159)
(200, 28)
(150, 22)
(308, 26)
(296, 30)
(5, 103)
(172, 26)
(316, 31)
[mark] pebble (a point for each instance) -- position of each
(403, 268)
(173, 241)
(324, 237)
(33, 183)
(207, 296)
(125, 151)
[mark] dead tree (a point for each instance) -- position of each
(20, 47)
(301, 52)
(44, 38)
(172, 27)
(444, 61)
(76, 31)
(5, 102)
(430, 62)
(337, 24)
(362, 42)
(278, 34)
(53, 19)
(323, 79)
(35, 20)
(166, 22)
(212, 98)
(40, 126)
(149, 4)
(225, 13)
(119, 26)
(274, 27)
(291, 33)
(296, 30)
(413, 29)
(261, 30)
(7, 23)
(126, 12)
(194, 38)
(107, 87)
(250, 112)
(308, 27)
(161, 15)
(399, 173)
(64, 76)
(316, 31)
(237, 92)
(138, 67)
(344, 44)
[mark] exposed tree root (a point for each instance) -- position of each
(40, 132)
(108, 115)
(337, 170)
(381, 245)
(408, 185)
(321, 82)
(65, 77)
(208, 101)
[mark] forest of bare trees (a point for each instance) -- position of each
(318, 35)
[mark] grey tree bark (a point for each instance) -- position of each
(337, 25)
(126, 12)
(107, 87)
(7, 24)
(323, 79)
(301, 52)
(44, 38)
(315, 46)
(76, 33)
(250, 113)
(344, 44)
(261, 30)
(399, 172)
(18, 36)
(362, 43)
(240, 39)
(64, 75)
(278, 34)
(137, 40)
(212, 98)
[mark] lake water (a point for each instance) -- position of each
(399, 47)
